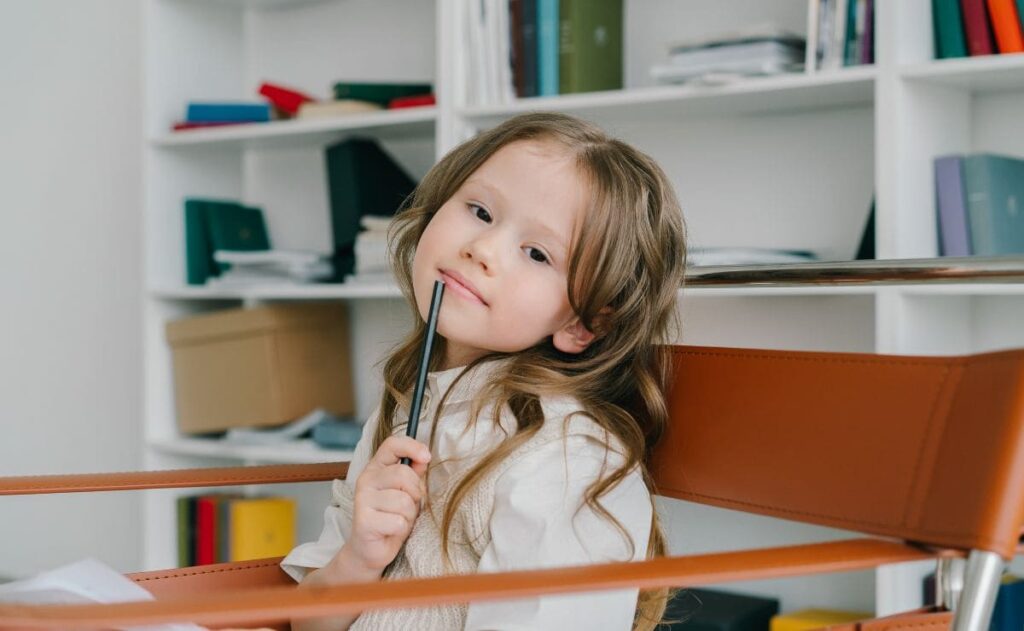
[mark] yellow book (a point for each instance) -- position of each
(261, 527)
(807, 619)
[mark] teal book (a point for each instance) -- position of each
(994, 188)
(199, 264)
(589, 46)
(234, 227)
(717, 610)
(380, 93)
(547, 47)
(948, 24)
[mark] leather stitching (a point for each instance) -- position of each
(202, 572)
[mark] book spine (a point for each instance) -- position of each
(948, 24)
(515, 12)
(198, 262)
(977, 190)
(568, 81)
(530, 47)
(976, 28)
(1006, 25)
(233, 112)
(954, 236)
(850, 53)
(547, 47)
(867, 50)
(206, 530)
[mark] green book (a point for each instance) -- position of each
(994, 188)
(716, 610)
(948, 23)
(590, 45)
(234, 227)
(199, 264)
(186, 513)
(362, 179)
(381, 93)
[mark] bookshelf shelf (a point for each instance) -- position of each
(398, 124)
(296, 452)
(991, 74)
(842, 88)
(347, 291)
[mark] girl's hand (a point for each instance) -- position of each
(386, 504)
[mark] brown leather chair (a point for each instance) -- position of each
(925, 454)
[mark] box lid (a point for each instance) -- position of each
(240, 322)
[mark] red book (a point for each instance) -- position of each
(285, 99)
(976, 28)
(206, 529)
(1006, 25)
(418, 100)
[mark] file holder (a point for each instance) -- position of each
(924, 454)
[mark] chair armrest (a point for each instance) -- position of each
(227, 607)
(174, 478)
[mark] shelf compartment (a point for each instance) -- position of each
(385, 125)
(294, 452)
(988, 74)
(851, 87)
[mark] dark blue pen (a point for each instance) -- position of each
(421, 378)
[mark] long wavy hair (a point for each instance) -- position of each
(629, 255)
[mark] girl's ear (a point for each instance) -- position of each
(574, 338)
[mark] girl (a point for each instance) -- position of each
(562, 251)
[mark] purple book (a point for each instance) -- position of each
(954, 237)
(867, 45)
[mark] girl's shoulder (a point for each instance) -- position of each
(566, 420)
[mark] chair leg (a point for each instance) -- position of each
(981, 583)
(949, 582)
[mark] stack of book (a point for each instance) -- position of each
(967, 28)
(760, 50)
(526, 48)
(980, 204)
(240, 268)
(222, 527)
(839, 33)
(357, 97)
(372, 250)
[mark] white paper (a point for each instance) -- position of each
(85, 581)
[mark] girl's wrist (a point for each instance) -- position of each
(346, 567)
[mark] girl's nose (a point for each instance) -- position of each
(483, 250)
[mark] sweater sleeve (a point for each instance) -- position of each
(540, 520)
(338, 514)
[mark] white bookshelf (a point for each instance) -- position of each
(789, 161)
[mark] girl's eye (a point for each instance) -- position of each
(481, 213)
(537, 255)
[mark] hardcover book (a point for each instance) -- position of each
(716, 610)
(951, 203)
(381, 93)
(948, 24)
(547, 47)
(590, 45)
(994, 187)
(261, 527)
(1006, 26)
(228, 112)
(977, 29)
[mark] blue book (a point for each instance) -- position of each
(994, 186)
(951, 203)
(547, 47)
(228, 113)
(1008, 613)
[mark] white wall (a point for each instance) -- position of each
(70, 359)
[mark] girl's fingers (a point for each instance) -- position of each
(396, 476)
(394, 448)
(390, 524)
(397, 502)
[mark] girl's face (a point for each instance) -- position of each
(500, 245)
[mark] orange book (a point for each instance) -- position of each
(1006, 26)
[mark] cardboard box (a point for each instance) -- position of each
(260, 367)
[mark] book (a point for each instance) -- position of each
(1008, 612)
(866, 246)
(362, 179)
(330, 109)
(1006, 26)
(227, 112)
(951, 207)
(186, 514)
(286, 100)
(994, 188)
(717, 610)
(807, 619)
(547, 47)
(206, 529)
(977, 29)
(416, 100)
(261, 527)
(378, 92)
(948, 27)
(867, 50)
(589, 46)
(232, 226)
(183, 126)
(529, 44)
(199, 263)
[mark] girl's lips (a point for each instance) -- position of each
(461, 289)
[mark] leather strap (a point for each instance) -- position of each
(175, 478)
(209, 607)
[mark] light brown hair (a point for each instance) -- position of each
(628, 254)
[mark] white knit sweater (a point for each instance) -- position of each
(523, 514)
